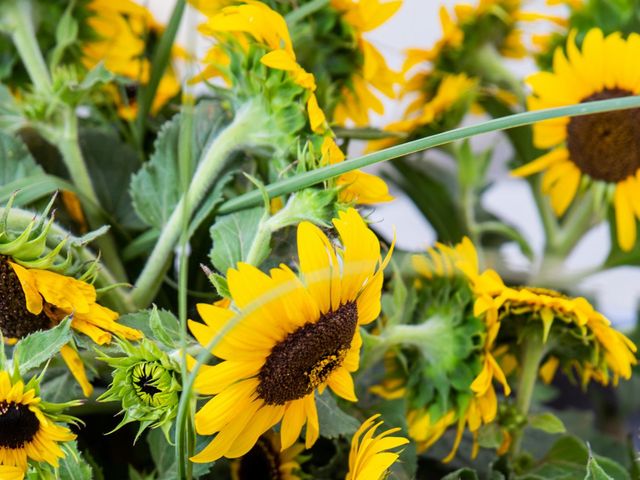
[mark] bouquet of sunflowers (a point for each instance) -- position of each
(191, 253)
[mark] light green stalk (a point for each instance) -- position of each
(212, 162)
(308, 179)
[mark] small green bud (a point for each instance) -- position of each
(146, 381)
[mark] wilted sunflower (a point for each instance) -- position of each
(370, 458)
(35, 299)
(599, 346)
(478, 403)
(28, 432)
(266, 460)
(297, 335)
(601, 149)
(35, 294)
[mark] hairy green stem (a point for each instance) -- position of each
(73, 159)
(533, 349)
(304, 11)
(18, 13)
(212, 162)
(308, 179)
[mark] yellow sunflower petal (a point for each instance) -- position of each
(625, 220)
(29, 287)
(76, 367)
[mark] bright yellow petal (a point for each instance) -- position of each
(76, 367)
(29, 287)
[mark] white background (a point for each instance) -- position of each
(417, 25)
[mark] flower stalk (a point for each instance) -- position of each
(533, 349)
(17, 14)
(72, 155)
(308, 179)
(206, 173)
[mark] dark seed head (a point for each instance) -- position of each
(306, 357)
(18, 425)
(261, 463)
(606, 146)
(15, 320)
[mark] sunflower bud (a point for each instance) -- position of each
(146, 381)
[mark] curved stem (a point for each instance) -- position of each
(308, 179)
(24, 38)
(304, 11)
(213, 161)
(73, 159)
(532, 352)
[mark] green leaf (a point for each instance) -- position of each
(155, 189)
(165, 327)
(334, 422)
(233, 237)
(111, 164)
(73, 466)
(567, 460)
(595, 471)
(16, 162)
(98, 75)
(490, 436)
(35, 349)
(66, 35)
(547, 422)
(11, 119)
(164, 457)
(462, 474)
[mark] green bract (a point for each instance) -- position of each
(146, 382)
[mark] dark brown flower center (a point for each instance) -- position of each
(606, 146)
(261, 463)
(18, 425)
(305, 358)
(15, 320)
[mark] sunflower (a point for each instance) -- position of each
(122, 28)
(297, 335)
(8, 472)
(603, 354)
(358, 96)
(600, 149)
(34, 299)
(27, 431)
(267, 460)
(431, 112)
(355, 186)
(370, 458)
(266, 29)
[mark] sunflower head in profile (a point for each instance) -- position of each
(440, 103)
(267, 460)
(30, 432)
(39, 288)
(597, 150)
(471, 378)
(255, 55)
(372, 455)
(295, 335)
